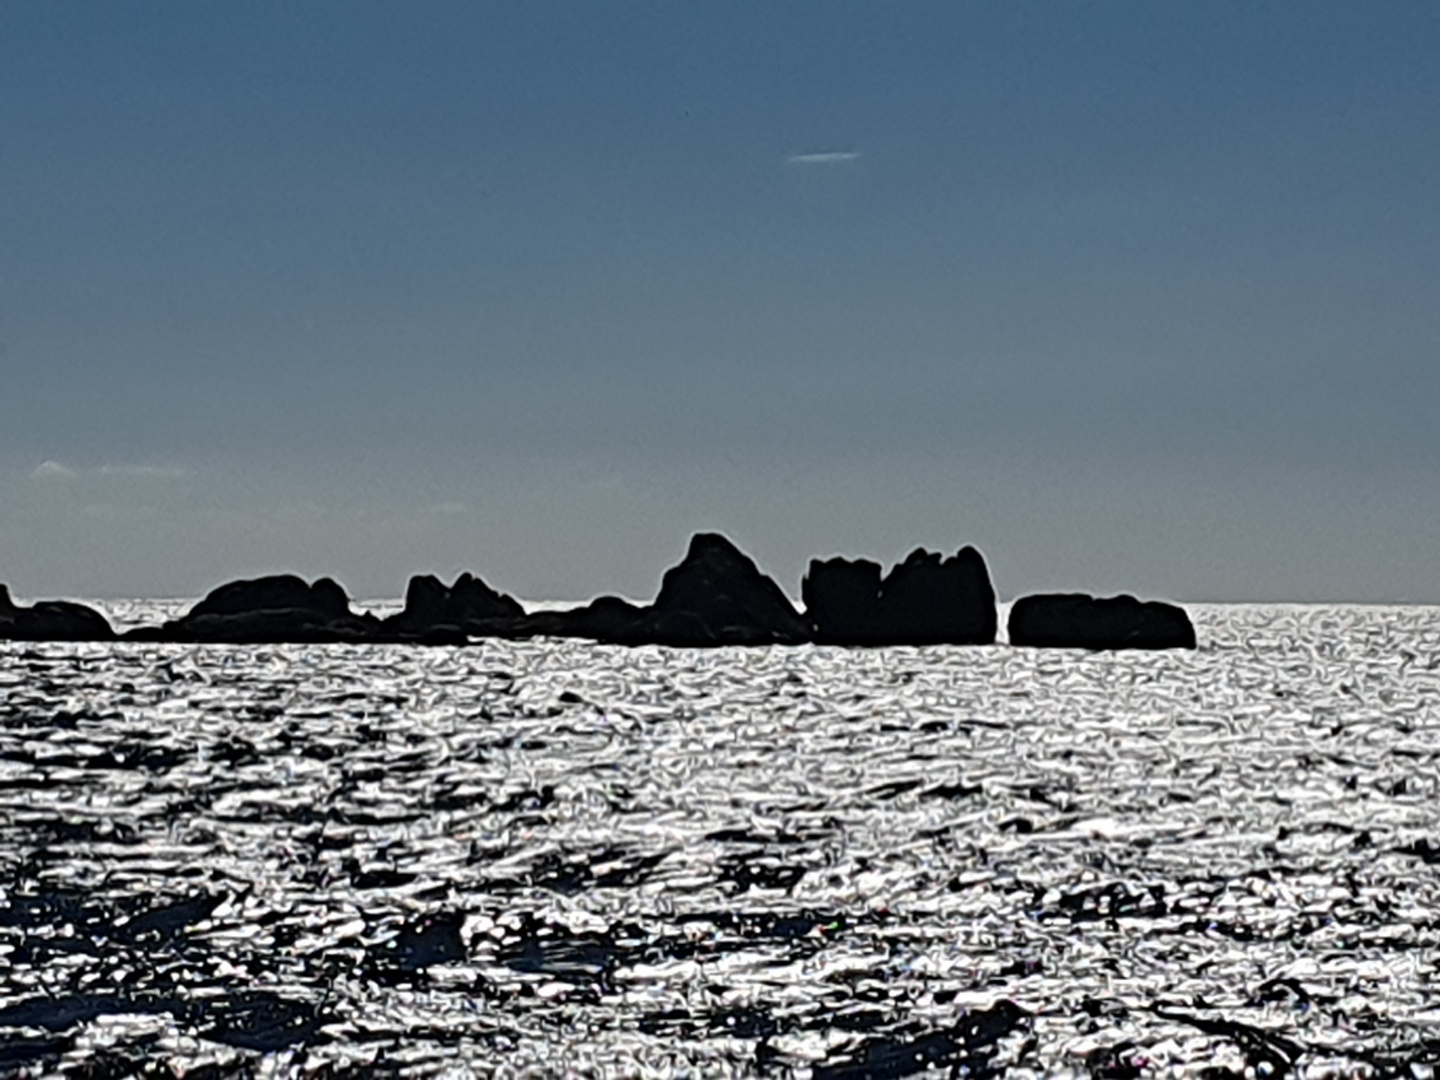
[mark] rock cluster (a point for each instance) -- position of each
(925, 600)
(435, 612)
(715, 596)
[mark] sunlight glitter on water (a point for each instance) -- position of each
(802, 861)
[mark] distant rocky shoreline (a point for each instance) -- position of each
(715, 596)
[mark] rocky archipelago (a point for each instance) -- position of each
(715, 596)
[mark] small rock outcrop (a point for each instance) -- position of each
(51, 620)
(434, 611)
(1081, 621)
(607, 619)
(925, 600)
(269, 610)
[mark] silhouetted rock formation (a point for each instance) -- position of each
(268, 610)
(51, 620)
(925, 600)
(842, 600)
(1080, 621)
(718, 596)
(436, 612)
(715, 596)
(606, 619)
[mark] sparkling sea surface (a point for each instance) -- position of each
(557, 858)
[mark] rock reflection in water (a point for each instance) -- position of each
(794, 862)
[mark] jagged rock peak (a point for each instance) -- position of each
(432, 607)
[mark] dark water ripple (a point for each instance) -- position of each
(540, 858)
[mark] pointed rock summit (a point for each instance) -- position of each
(718, 596)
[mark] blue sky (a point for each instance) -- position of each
(1132, 296)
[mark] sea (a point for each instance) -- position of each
(555, 858)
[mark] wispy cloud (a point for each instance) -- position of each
(823, 157)
(52, 470)
(154, 472)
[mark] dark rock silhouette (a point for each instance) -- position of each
(268, 610)
(715, 596)
(435, 612)
(51, 620)
(933, 600)
(607, 619)
(842, 600)
(281, 592)
(925, 600)
(718, 596)
(1081, 621)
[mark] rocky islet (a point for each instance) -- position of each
(51, 620)
(715, 596)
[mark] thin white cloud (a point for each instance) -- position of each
(823, 157)
(52, 470)
(154, 472)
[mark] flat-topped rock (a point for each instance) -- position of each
(279, 592)
(842, 600)
(607, 619)
(1082, 621)
(51, 620)
(268, 610)
(925, 600)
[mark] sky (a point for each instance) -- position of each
(1133, 297)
